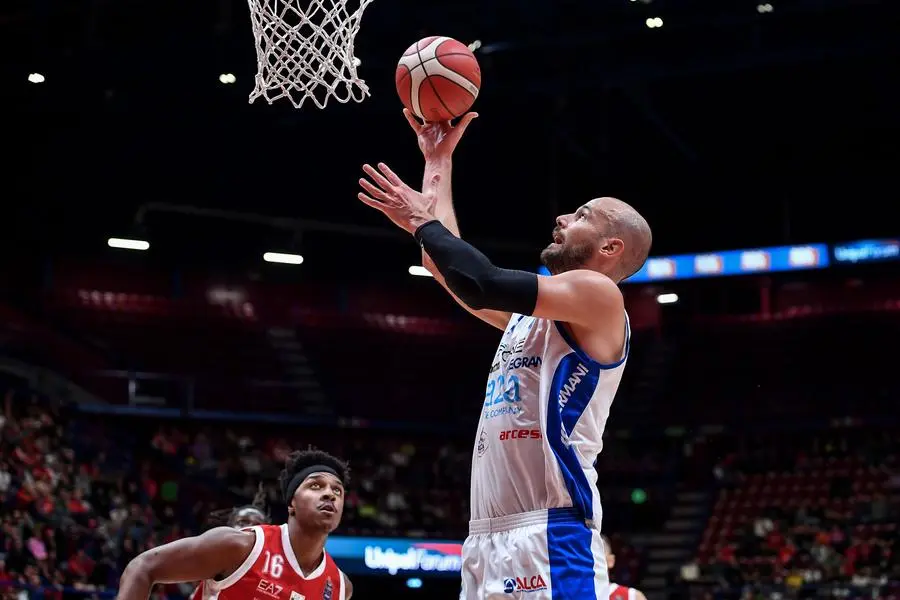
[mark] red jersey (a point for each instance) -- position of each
(271, 572)
(618, 592)
(197, 594)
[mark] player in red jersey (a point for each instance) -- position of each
(265, 562)
(616, 591)
(242, 516)
(239, 517)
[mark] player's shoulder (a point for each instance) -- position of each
(600, 282)
(593, 286)
(598, 291)
(230, 535)
(266, 528)
(621, 592)
(271, 535)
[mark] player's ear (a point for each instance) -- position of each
(612, 247)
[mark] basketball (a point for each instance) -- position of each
(438, 78)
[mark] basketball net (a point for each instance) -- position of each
(304, 50)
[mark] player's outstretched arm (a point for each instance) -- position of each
(580, 297)
(218, 552)
(437, 141)
(441, 169)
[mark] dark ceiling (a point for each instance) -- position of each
(727, 127)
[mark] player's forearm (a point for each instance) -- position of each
(446, 214)
(136, 582)
(443, 210)
(472, 277)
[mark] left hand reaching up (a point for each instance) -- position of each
(406, 207)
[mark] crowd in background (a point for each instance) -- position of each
(81, 497)
(813, 521)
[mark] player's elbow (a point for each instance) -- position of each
(472, 289)
(496, 289)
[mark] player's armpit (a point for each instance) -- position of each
(219, 551)
(581, 297)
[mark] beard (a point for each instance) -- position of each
(559, 258)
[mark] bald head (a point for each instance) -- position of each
(628, 225)
(605, 235)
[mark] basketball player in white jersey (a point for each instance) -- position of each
(535, 529)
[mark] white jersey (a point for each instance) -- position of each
(542, 423)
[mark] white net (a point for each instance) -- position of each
(304, 50)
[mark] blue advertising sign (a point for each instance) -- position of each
(733, 262)
(396, 556)
(865, 251)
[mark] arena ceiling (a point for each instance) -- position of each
(728, 127)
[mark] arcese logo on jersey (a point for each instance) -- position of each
(422, 556)
(535, 583)
(520, 434)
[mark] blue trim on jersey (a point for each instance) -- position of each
(571, 556)
(584, 356)
(578, 388)
(572, 376)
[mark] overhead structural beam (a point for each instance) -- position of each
(299, 225)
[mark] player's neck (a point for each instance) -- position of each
(308, 546)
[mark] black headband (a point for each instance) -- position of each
(300, 477)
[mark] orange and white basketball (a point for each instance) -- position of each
(438, 78)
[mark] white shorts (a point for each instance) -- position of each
(540, 555)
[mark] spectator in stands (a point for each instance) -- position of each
(826, 526)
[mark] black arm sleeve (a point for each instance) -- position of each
(473, 277)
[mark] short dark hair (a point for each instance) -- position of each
(303, 459)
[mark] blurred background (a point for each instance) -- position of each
(752, 448)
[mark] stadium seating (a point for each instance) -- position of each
(127, 484)
(804, 509)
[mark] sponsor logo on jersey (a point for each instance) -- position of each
(423, 556)
(520, 434)
(326, 594)
(534, 583)
(565, 394)
(524, 362)
(482, 443)
(297, 596)
(270, 589)
(500, 411)
(506, 351)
